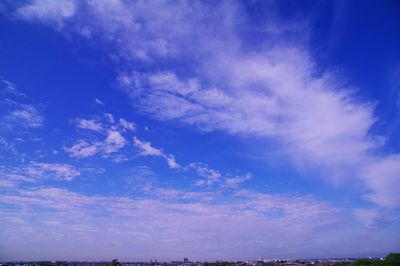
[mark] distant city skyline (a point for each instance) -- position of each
(207, 130)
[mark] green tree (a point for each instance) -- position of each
(361, 262)
(392, 259)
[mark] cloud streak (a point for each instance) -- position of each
(18, 111)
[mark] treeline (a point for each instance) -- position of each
(393, 259)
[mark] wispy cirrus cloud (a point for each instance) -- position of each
(52, 171)
(18, 112)
(12, 88)
(20, 115)
(34, 172)
(20, 121)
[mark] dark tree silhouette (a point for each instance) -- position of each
(114, 262)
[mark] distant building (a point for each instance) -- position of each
(185, 260)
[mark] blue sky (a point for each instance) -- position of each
(211, 130)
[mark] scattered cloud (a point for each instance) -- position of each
(17, 110)
(211, 177)
(108, 140)
(233, 182)
(12, 88)
(88, 124)
(98, 101)
(171, 161)
(147, 150)
(82, 149)
(114, 141)
(126, 125)
(52, 171)
(110, 118)
(20, 115)
(34, 172)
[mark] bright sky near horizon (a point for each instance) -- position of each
(225, 130)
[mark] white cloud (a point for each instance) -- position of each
(126, 125)
(18, 111)
(35, 172)
(146, 149)
(108, 142)
(139, 31)
(9, 147)
(383, 178)
(28, 116)
(98, 101)
(12, 88)
(89, 124)
(22, 115)
(110, 118)
(82, 149)
(210, 176)
(48, 10)
(114, 142)
(171, 161)
(233, 182)
(52, 171)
